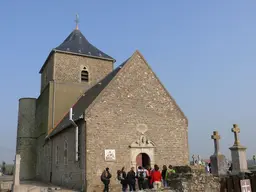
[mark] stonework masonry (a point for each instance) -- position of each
(26, 138)
(47, 73)
(67, 68)
(131, 97)
(135, 96)
(72, 174)
(67, 81)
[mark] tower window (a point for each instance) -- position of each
(84, 75)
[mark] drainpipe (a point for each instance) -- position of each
(76, 134)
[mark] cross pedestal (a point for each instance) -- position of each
(218, 161)
(238, 154)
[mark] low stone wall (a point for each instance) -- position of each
(5, 186)
(190, 179)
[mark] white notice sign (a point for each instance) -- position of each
(110, 154)
(245, 185)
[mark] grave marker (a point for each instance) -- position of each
(238, 154)
(218, 161)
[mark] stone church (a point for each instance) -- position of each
(90, 115)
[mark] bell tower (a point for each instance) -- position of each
(70, 69)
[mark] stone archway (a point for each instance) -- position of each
(143, 160)
(142, 146)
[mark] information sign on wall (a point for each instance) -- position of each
(110, 154)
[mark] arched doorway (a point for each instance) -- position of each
(143, 160)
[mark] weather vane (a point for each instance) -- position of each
(77, 21)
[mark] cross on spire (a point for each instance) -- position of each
(236, 130)
(77, 21)
(216, 138)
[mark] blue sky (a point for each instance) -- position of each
(202, 51)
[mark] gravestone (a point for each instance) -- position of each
(193, 158)
(218, 161)
(238, 154)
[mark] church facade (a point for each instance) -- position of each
(90, 116)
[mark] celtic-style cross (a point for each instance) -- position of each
(216, 138)
(77, 21)
(236, 130)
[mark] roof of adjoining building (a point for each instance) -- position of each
(85, 101)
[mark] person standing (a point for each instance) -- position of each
(156, 178)
(141, 175)
(169, 171)
(149, 184)
(163, 176)
(131, 179)
(123, 180)
(105, 178)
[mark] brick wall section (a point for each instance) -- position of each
(70, 175)
(42, 118)
(42, 111)
(135, 96)
(66, 75)
(66, 94)
(26, 138)
(47, 73)
(67, 68)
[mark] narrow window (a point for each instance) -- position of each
(65, 152)
(57, 155)
(79, 143)
(84, 75)
(49, 154)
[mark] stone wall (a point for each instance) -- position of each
(68, 67)
(42, 121)
(26, 137)
(69, 174)
(47, 73)
(135, 97)
(193, 180)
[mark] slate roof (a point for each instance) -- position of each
(77, 43)
(85, 101)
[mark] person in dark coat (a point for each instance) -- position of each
(164, 176)
(105, 178)
(123, 180)
(131, 179)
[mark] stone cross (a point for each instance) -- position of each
(216, 138)
(236, 130)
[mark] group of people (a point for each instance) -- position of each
(145, 178)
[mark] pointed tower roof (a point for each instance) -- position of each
(76, 43)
